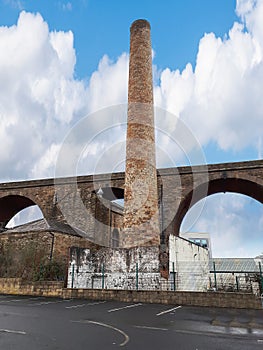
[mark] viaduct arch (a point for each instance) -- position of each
(12, 204)
(199, 182)
(234, 185)
(179, 189)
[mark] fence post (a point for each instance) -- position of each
(173, 277)
(72, 274)
(214, 266)
(102, 270)
(137, 276)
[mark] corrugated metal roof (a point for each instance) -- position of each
(43, 225)
(234, 265)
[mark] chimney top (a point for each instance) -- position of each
(140, 23)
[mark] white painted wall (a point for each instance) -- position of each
(119, 266)
(190, 263)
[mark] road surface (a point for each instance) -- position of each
(39, 323)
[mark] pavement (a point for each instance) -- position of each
(39, 323)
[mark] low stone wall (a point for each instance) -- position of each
(207, 299)
(15, 286)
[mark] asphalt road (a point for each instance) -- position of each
(28, 323)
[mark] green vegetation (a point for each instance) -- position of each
(31, 263)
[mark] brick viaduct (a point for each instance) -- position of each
(75, 200)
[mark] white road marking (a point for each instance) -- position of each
(10, 301)
(126, 337)
(166, 311)
(82, 305)
(152, 328)
(12, 331)
(19, 300)
(48, 302)
(125, 307)
(260, 341)
(75, 306)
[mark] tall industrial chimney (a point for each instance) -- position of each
(141, 215)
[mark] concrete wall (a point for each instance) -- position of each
(190, 263)
(116, 268)
(139, 268)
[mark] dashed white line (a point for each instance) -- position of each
(125, 307)
(19, 300)
(75, 306)
(10, 301)
(48, 302)
(82, 305)
(167, 311)
(152, 328)
(12, 331)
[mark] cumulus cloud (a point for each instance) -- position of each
(36, 70)
(40, 99)
(220, 99)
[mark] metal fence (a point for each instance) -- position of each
(182, 276)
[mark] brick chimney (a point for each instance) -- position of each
(141, 214)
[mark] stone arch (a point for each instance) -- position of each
(111, 193)
(243, 186)
(12, 204)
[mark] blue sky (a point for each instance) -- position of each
(102, 27)
(62, 60)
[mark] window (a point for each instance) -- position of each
(115, 238)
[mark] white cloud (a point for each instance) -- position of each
(221, 99)
(108, 85)
(40, 100)
(233, 221)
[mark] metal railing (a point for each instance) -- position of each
(182, 276)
